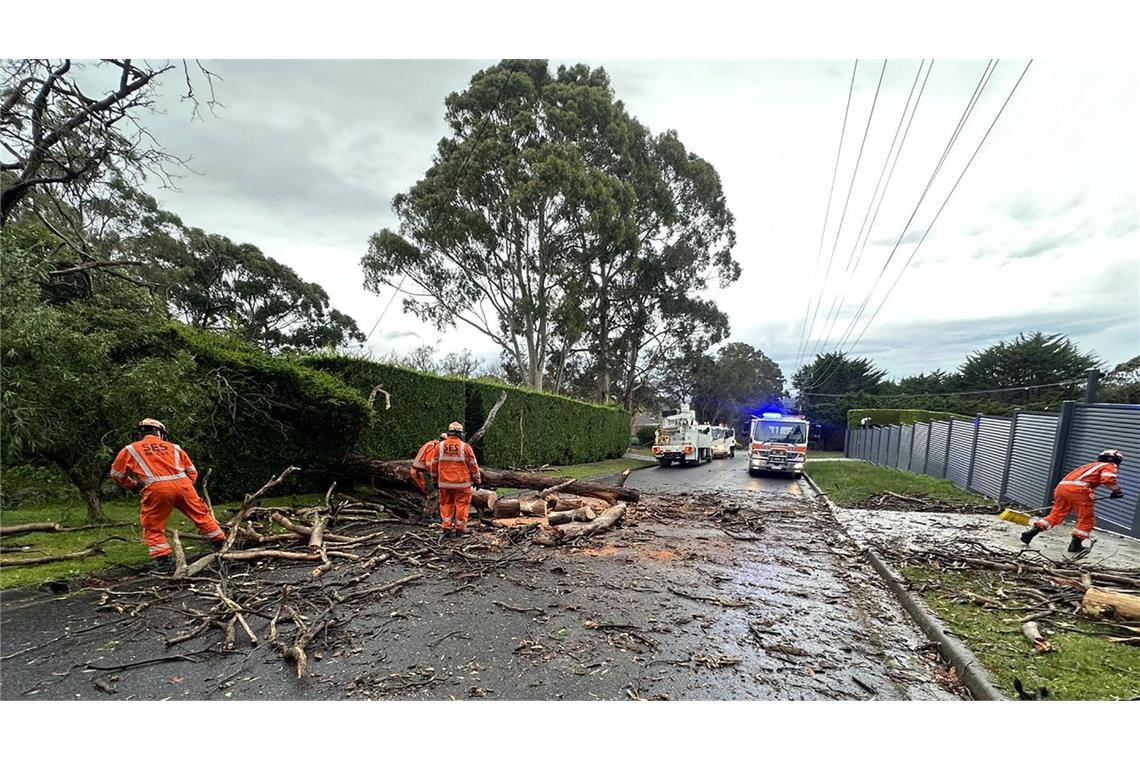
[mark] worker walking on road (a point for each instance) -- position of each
(421, 467)
(166, 477)
(455, 471)
(1075, 491)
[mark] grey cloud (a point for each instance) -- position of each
(1124, 226)
(398, 334)
(1027, 209)
(911, 236)
(1045, 244)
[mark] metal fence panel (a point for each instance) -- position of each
(1097, 427)
(958, 455)
(1030, 458)
(936, 460)
(921, 436)
(989, 459)
(905, 441)
(880, 445)
(893, 446)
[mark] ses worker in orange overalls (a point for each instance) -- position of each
(455, 471)
(166, 476)
(1075, 491)
(420, 471)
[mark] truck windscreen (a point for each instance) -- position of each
(775, 431)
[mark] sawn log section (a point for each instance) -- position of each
(395, 473)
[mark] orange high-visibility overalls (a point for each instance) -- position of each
(1075, 491)
(421, 465)
(168, 477)
(455, 471)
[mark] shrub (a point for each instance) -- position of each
(884, 417)
(646, 435)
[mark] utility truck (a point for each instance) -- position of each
(683, 440)
(723, 442)
(778, 444)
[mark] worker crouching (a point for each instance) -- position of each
(166, 476)
(1075, 492)
(455, 472)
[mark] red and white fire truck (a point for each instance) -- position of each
(778, 444)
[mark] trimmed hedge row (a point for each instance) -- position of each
(267, 413)
(422, 404)
(533, 428)
(884, 417)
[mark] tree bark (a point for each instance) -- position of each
(570, 502)
(14, 530)
(1098, 602)
(89, 488)
(584, 514)
(561, 535)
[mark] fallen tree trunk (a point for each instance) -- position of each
(15, 530)
(24, 561)
(585, 514)
(571, 502)
(561, 535)
(1098, 602)
(394, 474)
(484, 502)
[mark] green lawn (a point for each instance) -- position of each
(850, 482)
(71, 514)
(597, 469)
(1081, 667)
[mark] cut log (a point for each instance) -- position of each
(179, 555)
(585, 514)
(533, 507)
(317, 534)
(622, 478)
(1098, 602)
(573, 501)
(395, 474)
(507, 508)
(555, 488)
(562, 534)
(484, 502)
(15, 530)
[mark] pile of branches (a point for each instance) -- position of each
(896, 502)
(313, 566)
(1037, 590)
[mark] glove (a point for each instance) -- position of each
(1116, 495)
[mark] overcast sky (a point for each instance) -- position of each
(1040, 235)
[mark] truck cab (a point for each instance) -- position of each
(779, 444)
(723, 442)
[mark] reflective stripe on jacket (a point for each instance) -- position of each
(454, 465)
(152, 460)
(1092, 475)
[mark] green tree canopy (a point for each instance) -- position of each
(1027, 360)
(737, 384)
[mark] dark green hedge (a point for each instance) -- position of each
(883, 417)
(422, 404)
(554, 429)
(268, 412)
(535, 428)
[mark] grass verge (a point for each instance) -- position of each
(128, 552)
(597, 469)
(813, 454)
(1084, 665)
(850, 482)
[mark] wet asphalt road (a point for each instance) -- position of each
(717, 586)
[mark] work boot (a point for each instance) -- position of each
(218, 545)
(1075, 545)
(449, 533)
(164, 564)
(1029, 535)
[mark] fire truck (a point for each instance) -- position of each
(778, 444)
(682, 439)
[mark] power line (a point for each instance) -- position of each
(825, 372)
(847, 201)
(953, 393)
(458, 179)
(944, 202)
(827, 209)
(832, 318)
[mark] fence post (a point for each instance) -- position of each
(973, 450)
(898, 449)
(1060, 444)
(1008, 457)
(1091, 386)
(846, 441)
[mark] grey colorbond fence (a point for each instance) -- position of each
(1017, 459)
